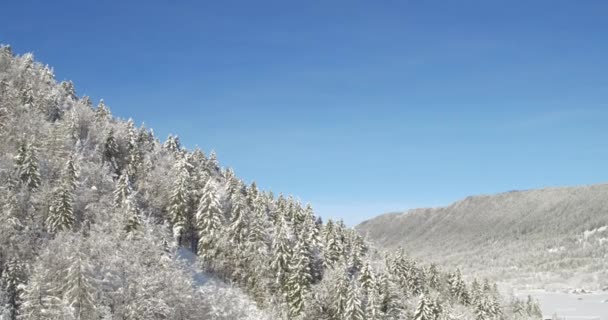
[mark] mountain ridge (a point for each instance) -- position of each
(489, 227)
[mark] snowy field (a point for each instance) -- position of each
(568, 306)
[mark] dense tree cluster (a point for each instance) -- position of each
(95, 212)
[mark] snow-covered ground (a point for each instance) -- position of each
(570, 306)
(226, 302)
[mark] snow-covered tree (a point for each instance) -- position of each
(369, 290)
(13, 277)
(134, 161)
(39, 300)
(79, 292)
(237, 230)
(209, 223)
(179, 206)
(212, 163)
(70, 173)
(458, 288)
(390, 297)
(61, 212)
(110, 150)
(353, 309)
(122, 189)
(532, 308)
(332, 250)
(132, 218)
(26, 163)
(298, 281)
(258, 226)
(86, 101)
(432, 276)
(281, 252)
(172, 144)
(102, 112)
(424, 310)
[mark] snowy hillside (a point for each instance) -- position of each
(101, 220)
(552, 237)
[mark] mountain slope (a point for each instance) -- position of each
(553, 235)
(100, 220)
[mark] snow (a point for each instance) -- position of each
(557, 249)
(189, 262)
(571, 306)
(226, 301)
(590, 233)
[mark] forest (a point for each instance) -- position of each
(97, 215)
(551, 238)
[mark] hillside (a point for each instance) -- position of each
(546, 237)
(100, 219)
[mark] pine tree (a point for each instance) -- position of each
(332, 250)
(13, 276)
(132, 219)
(481, 310)
(102, 113)
(172, 144)
(26, 163)
(86, 101)
(353, 309)
(437, 308)
(61, 215)
(68, 88)
(79, 290)
(532, 308)
(179, 202)
(357, 250)
(458, 288)
(313, 247)
(494, 308)
(70, 173)
(133, 152)
(209, 224)
(37, 303)
(369, 288)
(372, 305)
(252, 194)
(237, 230)
(367, 278)
(390, 297)
(424, 310)
(110, 150)
(311, 228)
(433, 276)
(233, 184)
(298, 281)
(487, 288)
(122, 190)
(199, 175)
(476, 293)
(280, 253)
(212, 163)
(341, 290)
(258, 235)
(518, 307)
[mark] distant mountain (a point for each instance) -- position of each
(553, 236)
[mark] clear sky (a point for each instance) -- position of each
(359, 107)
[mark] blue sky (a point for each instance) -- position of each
(359, 107)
